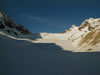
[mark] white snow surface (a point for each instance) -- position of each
(65, 45)
(67, 40)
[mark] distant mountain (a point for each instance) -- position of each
(85, 37)
(8, 25)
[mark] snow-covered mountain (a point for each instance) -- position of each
(85, 37)
(10, 27)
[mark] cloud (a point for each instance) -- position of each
(36, 18)
(40, 19)
(50, 21)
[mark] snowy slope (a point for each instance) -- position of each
(77, 38)
(20, 57)
(10, 27)
(88, 31)
(85, 36)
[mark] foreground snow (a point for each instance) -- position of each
(66, 45)
(81, 38)
(22, 57)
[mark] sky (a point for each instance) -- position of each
(51, 16)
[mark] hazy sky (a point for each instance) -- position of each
(50, 15)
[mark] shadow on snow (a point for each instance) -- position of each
(26, 58)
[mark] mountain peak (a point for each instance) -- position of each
(91, 23)
(87, 35)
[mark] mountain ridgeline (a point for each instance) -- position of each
(85, 37)
(8, 25)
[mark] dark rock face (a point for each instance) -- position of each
(11, 26)
(86, 23)
(1, 26)
(23, 31)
